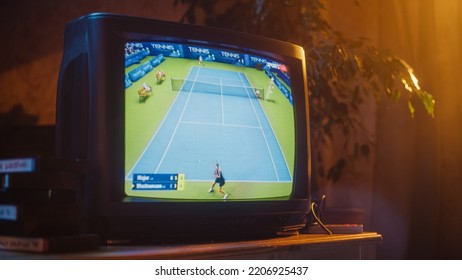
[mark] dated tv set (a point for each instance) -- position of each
(187, 131)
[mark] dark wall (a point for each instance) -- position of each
(31, 49)
(416, 186)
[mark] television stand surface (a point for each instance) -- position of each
(303, 246)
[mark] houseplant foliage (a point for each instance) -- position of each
(342, 72)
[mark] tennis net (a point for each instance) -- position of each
(216, 88)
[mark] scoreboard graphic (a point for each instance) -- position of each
(150, 181)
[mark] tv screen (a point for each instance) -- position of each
(185, 129)
(204, 123)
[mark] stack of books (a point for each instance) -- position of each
(39, 205)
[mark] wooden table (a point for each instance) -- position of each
(303, 246)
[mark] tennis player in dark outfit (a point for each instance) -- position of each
(219, 179)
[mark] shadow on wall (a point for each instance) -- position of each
(17, 116)
(31, 54)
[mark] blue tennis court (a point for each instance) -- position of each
(215, 117)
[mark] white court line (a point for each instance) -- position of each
(264, 136)
(277, 140)
(179, 121)
(222, 105)
(223, 124)
(155, 134)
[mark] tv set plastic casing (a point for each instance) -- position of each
(90, 126)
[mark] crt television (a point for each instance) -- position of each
(187, 131)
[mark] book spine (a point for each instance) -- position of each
(70, 243)
(8, 212)
(25, 244)
(39, 220)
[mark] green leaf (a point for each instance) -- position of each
(395, 95)
(411, 107)
(429, 103)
